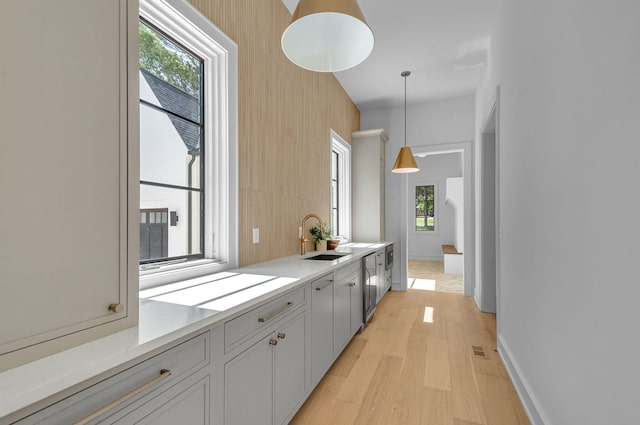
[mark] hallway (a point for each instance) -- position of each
(418, 362)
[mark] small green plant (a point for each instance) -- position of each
(321, 233)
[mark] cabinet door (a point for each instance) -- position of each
(64, 140)
(249, 385)
(321, 327)
(341, 315)
(290, 369)
(186, 403)
(357, 295)
(380, 276)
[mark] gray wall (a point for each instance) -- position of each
(569, 122)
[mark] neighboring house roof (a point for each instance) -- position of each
(180, 103)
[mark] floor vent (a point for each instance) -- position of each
(478, 351)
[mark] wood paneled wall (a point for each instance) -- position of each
(285, 115)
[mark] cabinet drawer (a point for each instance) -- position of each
(181, 360)
(238, 329)
(349, 270)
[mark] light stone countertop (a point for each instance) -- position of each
(166, 316)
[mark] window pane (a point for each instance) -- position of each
(169, 149)
(425, 208)
(143, 217)
(170, 76)
(334, 165)
(183, 238)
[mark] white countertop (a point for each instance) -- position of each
(167, 314)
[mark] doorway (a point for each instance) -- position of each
(486, 292)
(406, 194)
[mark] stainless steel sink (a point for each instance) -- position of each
(326, 257)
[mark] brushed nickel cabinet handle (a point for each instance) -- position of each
(326, 285)
(273, 342)
(281, 335)
(352, 284)
(116, 308)
(275, 313)
(164, 373)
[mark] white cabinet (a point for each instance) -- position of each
(266, 382)
(172, 387)
(368, 183)
(68, 161)
(321, 327)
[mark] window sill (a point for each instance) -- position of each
(171, 273)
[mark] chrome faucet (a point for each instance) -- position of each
(304, 240)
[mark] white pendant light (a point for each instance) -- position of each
(405, 162)
(327, 35)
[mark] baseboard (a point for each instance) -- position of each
(528, 399)
(426, 258)
(476, 297)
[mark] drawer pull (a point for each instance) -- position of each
(326, 285)
(281, 335)
(275, 313)
(164, 373)
(352, 284)
(273, 342)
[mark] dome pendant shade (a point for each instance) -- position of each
(327, 35)
(405, 162)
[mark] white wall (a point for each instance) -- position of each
(568, 130)
(433, 169)
(455, 199)
(439, 123)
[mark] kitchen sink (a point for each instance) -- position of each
(326, 257)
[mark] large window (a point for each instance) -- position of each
(188, 144)
(172, 132)
(340, 184)
(425, 208)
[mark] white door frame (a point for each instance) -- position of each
(488, 295)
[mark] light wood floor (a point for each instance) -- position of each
(424, 274)
(415, 364)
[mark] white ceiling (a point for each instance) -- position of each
(442, 42)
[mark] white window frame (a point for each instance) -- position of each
(436, 210)
(339, 145)
(182, 22)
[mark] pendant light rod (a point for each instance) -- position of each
(405, 74)
(405, 162)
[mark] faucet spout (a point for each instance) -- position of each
(303, 240)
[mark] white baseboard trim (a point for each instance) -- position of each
(528, 399)
(476, 297)
(426, 258)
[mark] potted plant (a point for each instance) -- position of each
(320, 235)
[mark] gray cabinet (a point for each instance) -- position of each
(172, 387)
(68, 143)
(357, 294)
(341, 315)
(321, 327)
(381, 278)
(336, 315)
(268, 381)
